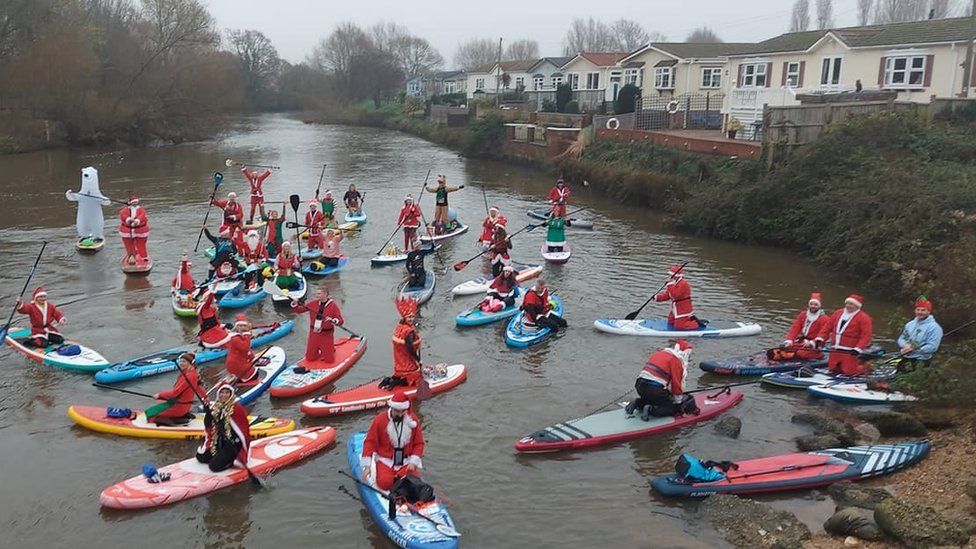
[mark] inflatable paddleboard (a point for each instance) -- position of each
(308, 255)
(69, 355)
(806, 377)
(477, 317)
(318, 373)
(480, 284)
(142, 265)
(758, 364)
(369, 395)
(179, 309)
(190, 478)
(94, 418)
(357, 218)
(421, 293)
(428, 238)
(615, 426)
(389, 256)
(255, 226)
(542, 214)
(858, 393)
(309, 269)
(660, 328)
(89, 244)
(239, 297)
(519, 334)
(556, 258)
(269, 364)
(801, 471)
(292, 294)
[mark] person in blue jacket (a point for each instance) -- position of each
(921, 337)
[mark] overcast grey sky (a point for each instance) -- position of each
(295, 26)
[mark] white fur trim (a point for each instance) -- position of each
(854, 301)
(399, 405)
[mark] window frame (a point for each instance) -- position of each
(907, 71)
(593, 80)
(792, 75)
(519, 82)
(831, 71)
(662, 74)
(574, 80)
(755, 75)
(709, 75)
(632, 76)
(479, 83)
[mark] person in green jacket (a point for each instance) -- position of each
(274, 234)
(556, 232)
(328, 204)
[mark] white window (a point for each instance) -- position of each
(632, 76)
(519, 82)
(592, 80)
(754, 75)
(793, 74)
(557, 80)
(905, 72)
(663, 78)
(830, 71)
(712, 77)
(479, 84)
(574, 80)
(538, 82)
(450, 86)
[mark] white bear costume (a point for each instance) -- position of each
(90, 221)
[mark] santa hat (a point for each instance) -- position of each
(682, 345)
(400, 401)
(815, 297)
(253, 233)
(855, 299)
(232, 194)
(133, 199)
(508, 269)
(675, 270)
(923, 303)
(493, 209)
(408, 198)
(226, 386)
(189, 357)
(407, 306)
(241, 319)
(39, 292)
(328, 192)
(313, 203)
(560, 182)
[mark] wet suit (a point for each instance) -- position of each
(224, 252)
(416, 272)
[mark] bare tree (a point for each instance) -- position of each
(800, 20)
(335, 54)
(415, 55)
(942, 8)
(898, 11)
(475, 53)
(864, 11)
(521, 50)
(259, 64)
(703, 35)
(825, 14)
(630, 35)
(588, 35)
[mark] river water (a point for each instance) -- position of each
(53, 471)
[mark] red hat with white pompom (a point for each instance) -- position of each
(241, 320)
(855, 299)
(815, 297)
(39, 292)
(400, 401)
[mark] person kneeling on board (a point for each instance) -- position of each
(678, 292)
(212, 334)
(416, 271)
(323, 316)
(406, 348)
(392, 453)
(224, 262)
(287, 266)
(183, 286)
(240, 357)
(228, 433)
(255, 256)
(660, 385)
(538, 308)
(175, 408)
(42, 315)
(806, 336)
(501, 292)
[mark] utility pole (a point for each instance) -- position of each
(498, 77)
(967, 72)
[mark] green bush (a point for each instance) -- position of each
(571, 108)
(564, 94)
(626, 100)
(548, 106)
(484, 136)
(452, 99)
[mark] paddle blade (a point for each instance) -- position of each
(460, 265)
(294, 200)
(631, 316)
(291, 225)
(218, 178)
(271, 288)
(3, 336)
(228, 162)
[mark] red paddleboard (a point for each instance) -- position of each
(369, 395)
(190, 478)
(320, 373)
(142, 265)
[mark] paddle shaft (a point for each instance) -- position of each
(410, 506)
(721, 388)
(779, 469)
(348, 331)
(291, 225)
(124, 203)
(243, 165)
(206, 216)
(119, 389)
(949, 333)
(388, 240)
(30, 275)
(634, 314)
(319, 186)
(463, 264)
(294, 200)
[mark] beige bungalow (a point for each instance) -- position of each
(595, 77)
(673, 69)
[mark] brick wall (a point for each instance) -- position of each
(742, 149)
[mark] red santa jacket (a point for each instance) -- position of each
(817, 331)
(319, 313)
(679, 292)
(382, 439)
(488, 226)
(856, 333)
(42, 317)
(240, 427)
(285, 266)
(559, 196)
(406, 351)
(183, 279)
(409, 216)
(134, 222)
(668, 369)
(253, 255)
(182, 393)
(239, 355)
(314, 221)
(534, 300)
(502, 285)
(255, 181)
(233, 213)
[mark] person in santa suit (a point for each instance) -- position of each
(240, 357)
(43, 316)
(183, 285)
(287, 266)
(134, 230)
(323, 316)
(409, 219)
(314, 220)
(559, 198)
(233, 214)
(807, 334)
(678, 291)
(851, 330)
(493, 220)
(501, 292)
(538, 308)
(661, 383)
(177, 402)
(212, 334)
(256, 180)
(406, 348)
(253, 252)
(227, 439)
(498, 249)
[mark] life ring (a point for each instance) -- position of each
(673, 107)
(613, 124)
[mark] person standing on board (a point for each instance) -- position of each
(178, 401)
(921, 337)
(493, 220)
(556, 232)
(441, 222)
(253, 252)
(240, 357)
(256, 180)
(352, 199)
(660, 385)
(323, 316)
(559, 198)
(409, 219)
(328, 204)
(43, 315)
(134, 230)
(851, 330)
(498, 250)
(807, 334)
(274, 235)
(233, 221)
(227, 441)
(678, 292)
(406, 348)
(314, 220)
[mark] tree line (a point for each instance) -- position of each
(875, 12)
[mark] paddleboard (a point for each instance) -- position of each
(180, 310)
(858, 393)
(269, 366)
(477, 317)
(142, 265)
(480, 284)
(543, 214)
(660, 328)
(801, 471)
(291, 294)
(421, 293)
(428, 238)
(390, 256)
(327, 270)
(801, 379)
(407, 529)
(556, 258)
(256, 225)
(89, 244)
(190, 478)
(369, 395)
(318, 373)
(239, 297)
(86, 360)
(519, 334)
(615, 426)
(358, 219)
(307, 254)
(758, 364)
(94, 418)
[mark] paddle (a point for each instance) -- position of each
(233, 163)
(348, 331)
(319, 186)
(218, 179)
(633, 315)
(950, 332)
(485, 196)
(123, 202)
(462, 264)
(254, 362)
(401, 223)
(121, 390)
(294, 225)
(445, 529)
(30, 275)
(828, 461)
(723, 388)
(295, 200)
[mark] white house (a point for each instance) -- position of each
(595, 77)
(546, 73)
(490, 79)
(673, 69)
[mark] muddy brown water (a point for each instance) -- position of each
(53, 471)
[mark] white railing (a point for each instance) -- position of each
(756, 98)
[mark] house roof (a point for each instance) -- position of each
(699, 50)
(601, 59)
(953, 29)
(555, 61)
(508, 66)
(447, 75)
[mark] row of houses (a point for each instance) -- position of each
(917, 60)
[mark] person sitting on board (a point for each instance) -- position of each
(287, 266)
(493, 220)
(314, 220)
(212, 334)
(416, 271)
(331, 248)
(660, 385)
(42, 315)
(559, 198)
(329, 221)
(409, 219)
(255, 180)
(920, 339)
(556, 232)
(255, 255)
(328, 203)
(501, 292)
(538, 308)
(851, 331)
(441, 223)
(177, 402)
(352, 199)
(678, 291)
(406, 348)
(233, 221)
(323, 316)
(183, 284)
(240, 357)
(134, 230)
(807, 334)
(227, 440)
(274, 235)
(500, 245)
(224, 262)
(392, 455)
